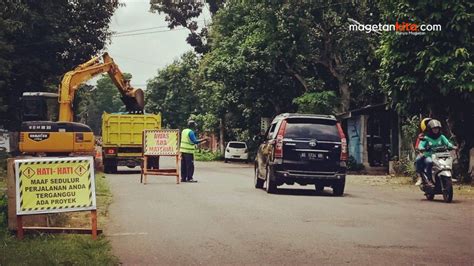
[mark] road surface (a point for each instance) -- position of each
(223, 219)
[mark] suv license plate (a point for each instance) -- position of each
(312, 156)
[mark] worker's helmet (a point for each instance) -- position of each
(434, 124)
(424, 124)
(192, 124)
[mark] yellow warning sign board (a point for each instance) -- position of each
(161, 142)
(49, 185)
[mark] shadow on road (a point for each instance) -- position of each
(439, 201)
(305, 192)
(129, 172)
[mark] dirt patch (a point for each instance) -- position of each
(403, 182)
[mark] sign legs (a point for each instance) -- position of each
(94, 224)
(19, 227)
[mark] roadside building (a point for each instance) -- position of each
(373, 136)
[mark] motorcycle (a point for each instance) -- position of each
(441, 175)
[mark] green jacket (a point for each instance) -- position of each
(433, 143)
(186, 146)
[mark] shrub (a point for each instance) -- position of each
(405, 167)
(206, 156)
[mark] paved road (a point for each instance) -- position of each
(224, 220)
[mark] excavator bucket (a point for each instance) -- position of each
(134, 101)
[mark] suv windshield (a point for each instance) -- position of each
(305, 128)
(237, 145)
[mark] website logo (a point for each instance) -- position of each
(401, 28)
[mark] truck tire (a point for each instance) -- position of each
(110, 166)
(153, 163)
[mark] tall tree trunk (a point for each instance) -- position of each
(344, 89)
(276, 106)
(221, 135)
(345, 92)
(296, 75)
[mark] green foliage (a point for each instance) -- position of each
(186, 13)
(172, 92)
(207, 122)
(40, 41)
(3, 163)
(317, 102)
(432, 73)
(55, 250)
(3, 210)
(207, 156)
(94, 101)
(410, 131)
(405, 167)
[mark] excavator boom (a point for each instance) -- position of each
(131, 97)
(66, 137)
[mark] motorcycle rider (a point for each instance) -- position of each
(432, 139)
(420, 161)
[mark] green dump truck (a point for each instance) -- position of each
(122, 138)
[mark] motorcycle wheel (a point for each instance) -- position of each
(448, 194)
(429, 196)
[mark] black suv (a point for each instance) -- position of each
(303, 149)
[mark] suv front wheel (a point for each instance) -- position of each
(271, 186)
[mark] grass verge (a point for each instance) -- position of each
(61, 249)
(207, 156)
(464, 190)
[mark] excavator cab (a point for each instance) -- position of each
(39, 135)
(39, 106)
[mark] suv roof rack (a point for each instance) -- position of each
(293, 115)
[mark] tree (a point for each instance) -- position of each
(93, 101)
(41, 40)
(171, 92)
(265, 55)
(432, 74)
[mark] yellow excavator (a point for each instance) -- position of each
(65, 136)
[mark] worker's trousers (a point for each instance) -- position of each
(187, 166)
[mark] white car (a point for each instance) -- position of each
(236, 150)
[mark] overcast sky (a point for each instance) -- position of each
(142, 55)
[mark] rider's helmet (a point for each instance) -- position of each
(432, 125)
(192, 124)
(424, 123)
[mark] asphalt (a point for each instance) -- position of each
(223, 219)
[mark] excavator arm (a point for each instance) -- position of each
(131, 97)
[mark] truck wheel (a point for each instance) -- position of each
(338, 187)
(153, 163)
(110, 166)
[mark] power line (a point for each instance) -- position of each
(151, 28)
(151, 32)
(129, 31)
